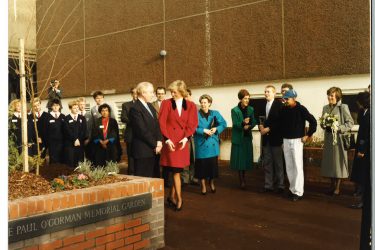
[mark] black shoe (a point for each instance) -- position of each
(357, 206)
(203, 193)
(296, 197)
(177, 209)
(170, 203)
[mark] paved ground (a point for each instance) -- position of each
(247, 219)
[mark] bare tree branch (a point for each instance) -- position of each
(54, 59)
(66, 19)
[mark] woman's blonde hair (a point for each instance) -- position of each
(12, 105)
(180, 86)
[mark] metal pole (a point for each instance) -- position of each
(25, 154)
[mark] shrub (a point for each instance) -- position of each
(112, 168)
(84, 167)
(98, 173)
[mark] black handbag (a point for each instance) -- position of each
(346, 137)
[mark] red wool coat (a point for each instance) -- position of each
(175, 128)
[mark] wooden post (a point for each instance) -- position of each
(25, 154)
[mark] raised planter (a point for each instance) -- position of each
(312, 159)
(125, 214)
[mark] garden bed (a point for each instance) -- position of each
(21, 184)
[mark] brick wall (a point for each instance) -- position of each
(142, 230)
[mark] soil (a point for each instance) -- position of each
(21, 184)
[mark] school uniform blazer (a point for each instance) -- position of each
(237, 126)
(54, 131)
(147, 134)
(41, 124)
(175, 128)
(89, 123)
(15, 129)
(274, 137)
(74, 130)
(128, 133)
(31, 134)
(208, 146)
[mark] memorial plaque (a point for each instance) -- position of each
(52, 222)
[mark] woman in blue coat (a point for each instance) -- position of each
(206, 139)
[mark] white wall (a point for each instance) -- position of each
(311, 93)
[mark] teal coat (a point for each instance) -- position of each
(206, 147)
(237, 128)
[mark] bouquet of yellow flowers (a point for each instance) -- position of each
(330, 122)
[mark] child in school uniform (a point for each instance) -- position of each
(293, 117)
(15, 123)
(74, 135)
(89, 122)
(54, 133)
(40, 118)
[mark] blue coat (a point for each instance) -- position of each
(208, 146)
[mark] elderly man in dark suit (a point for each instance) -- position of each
(271, 143)
(147, 138)
(128, 134)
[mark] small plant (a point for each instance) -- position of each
(80, 180)
(14, 158)
(98, 173)
(58, 183)
(84, 167)
(112, 168)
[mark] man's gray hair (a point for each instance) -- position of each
(142, 86)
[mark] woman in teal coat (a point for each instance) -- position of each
(241, 156)
(206, 140)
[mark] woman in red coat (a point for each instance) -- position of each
(178, 119)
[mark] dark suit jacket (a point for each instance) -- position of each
(274, 137)
(156, 106)
(128, 134)
(147, 134)
(74, 130)
(361, 166)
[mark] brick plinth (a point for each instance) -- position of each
(142, 230)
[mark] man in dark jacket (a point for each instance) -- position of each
(272, 155)
(293, 117)
(128, 134)
(147, 138)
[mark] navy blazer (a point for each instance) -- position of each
(274, 137)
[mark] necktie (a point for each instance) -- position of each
(38, 115)
(149, 110)
(82, 113)
(56, 116)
